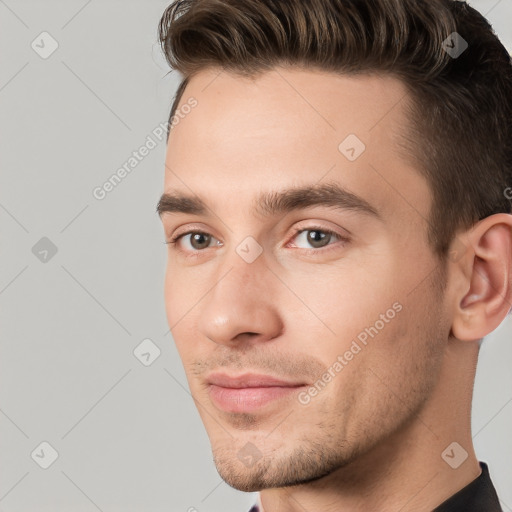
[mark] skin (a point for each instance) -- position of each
(372, 439)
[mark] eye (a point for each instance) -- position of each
(199, 240)
(317, 236)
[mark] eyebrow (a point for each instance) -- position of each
(276, 203)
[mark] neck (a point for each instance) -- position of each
(406, 471)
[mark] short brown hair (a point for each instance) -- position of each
(461, 110)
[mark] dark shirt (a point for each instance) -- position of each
(478, 496)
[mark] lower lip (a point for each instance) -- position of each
(248, 399)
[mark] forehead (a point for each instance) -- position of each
(294, 127)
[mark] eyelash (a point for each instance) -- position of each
(174, 240)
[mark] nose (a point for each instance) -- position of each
(243, 306)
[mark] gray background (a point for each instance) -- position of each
(128, 436)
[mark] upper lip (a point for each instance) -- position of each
(249, 380)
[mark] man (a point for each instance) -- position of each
(340, 241)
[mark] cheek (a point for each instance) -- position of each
(398, 367)
(375, 385)
(180, 298)
(347, 305)
(181, 294)
(360, 330)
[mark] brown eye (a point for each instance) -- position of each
(200, 240)
(318, 238)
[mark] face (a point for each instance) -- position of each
(310, 325)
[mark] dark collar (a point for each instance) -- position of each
(478, 496)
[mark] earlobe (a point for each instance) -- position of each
(487, 276)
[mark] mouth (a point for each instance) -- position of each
(249, 393)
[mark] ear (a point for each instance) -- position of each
(484, 284)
